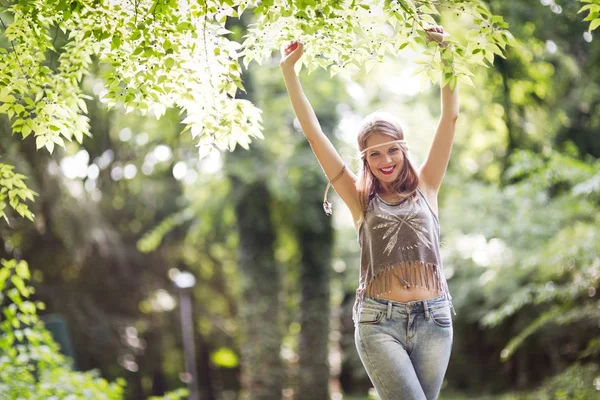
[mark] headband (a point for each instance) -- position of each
(381, 144)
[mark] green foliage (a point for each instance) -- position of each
(225, 357)
(564, 271)
(593, 8)
(537, 267)
(578, 382)
(13, 189)
(155, 55)
(152, 239)
(174, 395)
(31, 366)
(539, 287)
(343, 36)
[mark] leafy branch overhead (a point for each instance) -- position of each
(13, 189)
(158, 54)
(593, 9)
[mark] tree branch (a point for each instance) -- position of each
(53, 47)
(206, 53)
(12, 43)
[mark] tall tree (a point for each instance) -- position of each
(315, 241)
(260, 287)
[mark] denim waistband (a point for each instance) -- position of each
(409, 306)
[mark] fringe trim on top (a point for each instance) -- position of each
(409, 274)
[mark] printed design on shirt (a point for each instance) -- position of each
(394, 223)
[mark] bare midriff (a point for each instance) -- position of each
(403, 294)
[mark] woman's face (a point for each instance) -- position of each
(385, 161)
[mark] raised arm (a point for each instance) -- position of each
(434, 168)
(326, 154)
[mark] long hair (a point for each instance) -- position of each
(408, 180)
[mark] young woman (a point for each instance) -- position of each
(403, 307)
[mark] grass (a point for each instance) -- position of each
(447, 396)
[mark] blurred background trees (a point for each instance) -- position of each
(117, 214)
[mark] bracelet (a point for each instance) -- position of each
(327, 205)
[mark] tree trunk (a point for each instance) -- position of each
(353, 377)
(315, 239)
(260, 286)
(315, 245)
(512, 142)
(205, 368)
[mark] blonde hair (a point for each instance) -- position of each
(407, 182)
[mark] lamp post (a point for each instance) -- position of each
(185, 281)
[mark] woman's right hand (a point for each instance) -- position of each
(291, 53)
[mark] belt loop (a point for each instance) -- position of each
(389, 310)
(426, 308)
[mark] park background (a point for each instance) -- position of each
(98, 227)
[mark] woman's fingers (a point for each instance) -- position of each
(435, 28)
(291, 47)
(292, 52)
(436, 33)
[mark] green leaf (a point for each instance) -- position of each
(22, 270)
(26, 131)
(40, 142)
(4, 274)
(20, 285)
(28, 307)
(50, 146)
(82, 105)
(466, 80)
(8, 99)
(225, 357)
(429, 10)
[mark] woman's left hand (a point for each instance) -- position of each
(436, 33)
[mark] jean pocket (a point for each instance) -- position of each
(441, 316)
(370, 317)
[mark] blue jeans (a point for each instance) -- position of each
(404, 346)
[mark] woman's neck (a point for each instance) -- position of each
(388, 193)
(385, 189)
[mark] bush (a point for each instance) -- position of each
(578, 382)
(31, 365)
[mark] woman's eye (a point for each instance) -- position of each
(374, 154)
(394, 149)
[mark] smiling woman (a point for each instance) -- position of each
(402, 287)
(386, 168)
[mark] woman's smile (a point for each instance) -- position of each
(388, 170)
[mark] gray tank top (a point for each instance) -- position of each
(400, 241)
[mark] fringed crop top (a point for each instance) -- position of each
(400, 241)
